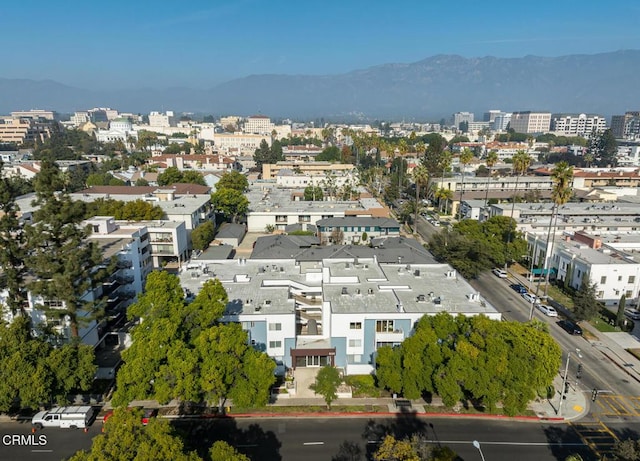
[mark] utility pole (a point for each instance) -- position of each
(564, 384)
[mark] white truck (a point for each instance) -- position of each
(75, 417)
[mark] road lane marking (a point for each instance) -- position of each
(313, 443)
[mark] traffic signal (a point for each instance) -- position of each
(579, 372)
(566, 388)
(594, 395)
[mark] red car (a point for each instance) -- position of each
(147, 413)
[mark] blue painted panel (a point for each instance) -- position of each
(341, 351)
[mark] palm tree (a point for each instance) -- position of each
(562, 176)
(491, 160)
(465, 158)
(521, 162)
(420, 177)
(445, 195)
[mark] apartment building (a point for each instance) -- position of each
(271, 170)
(258, 124)
(626, 126)
(353, 229)
(162, 119)
(19, 130)
(615, 272)
(36, 114)
(577, 124)
(462, 117)
(333, 311)
(239, 143)
(530, 122)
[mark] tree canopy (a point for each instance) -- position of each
(472, 246)
(233, 180)
(173, 175)
(266, 154)
(326, 384)
(126, 438)
(136, 210)
(36, 373)
(230, 203)
(203, 235)
(182, 351)
(461, 358)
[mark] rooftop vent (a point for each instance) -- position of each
(416, 273)
(437, 301)
(421, 298)
(451, 274)
(370, 291)
(345, 291)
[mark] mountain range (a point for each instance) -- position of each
(604, 83)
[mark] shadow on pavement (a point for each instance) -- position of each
(253, 441)
(404, 425)
(564, 441)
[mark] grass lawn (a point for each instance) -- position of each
(604, 327)
(560, 297)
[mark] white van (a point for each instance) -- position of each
(76, 417)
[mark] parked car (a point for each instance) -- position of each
(633, 314)
(500, 273)
(547, 310)
(518, 288)
(570, 327)
(529, 297)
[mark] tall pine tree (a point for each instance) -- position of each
(61, 258)
(12, 243)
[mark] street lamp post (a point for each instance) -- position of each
(477, 445)
(564, 383)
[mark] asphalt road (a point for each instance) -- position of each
(323, 439)
(598, 372)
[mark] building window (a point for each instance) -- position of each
(355, 343)
(275, 344)
(354, 358)
(628, 294)
(603, 280)
(619, 278)
(600, 295)
(384, 326)
(275, 326)
(632, 279)
(355, 326)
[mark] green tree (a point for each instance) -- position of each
(620, 314)
(26, 376)
(193, 177)
(562, 176)
(230, 203)
(607, 149)
(126, 438)
(466, 156)
(329, 154)
(170, 176)
(60, 255)
(312, 193)
(12, 242)
(420, 178)
(140, 210)
(266, 154)
(73, 367)
(491, 161)
(141, 182)
(626, 450)
(232, 369)
(479, 359)
(326, 384)
(585, 303)
(203, 235)
(222, 451)
(233, 180)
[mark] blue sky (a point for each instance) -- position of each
(197, 43)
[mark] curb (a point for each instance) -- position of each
(329, 414)
(615, 362)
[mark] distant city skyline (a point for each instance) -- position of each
(144, 44)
